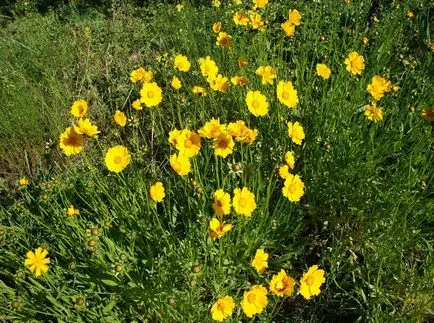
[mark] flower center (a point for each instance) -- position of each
(280, 286)
(251, 298)
(292, 188)
(285, 95)
(223, 143)
(255, 104)
(118, 159)
(188, 143)
(310, 280)
(150, 94)
(242, 202)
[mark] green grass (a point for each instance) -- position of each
(366, 217)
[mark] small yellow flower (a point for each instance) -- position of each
(85, 127)
(241, 19)
(182, 63)
(37, 261)
(72, 211)
(224, 40)
(176, 83)
(427, 114)
(117, 158)
(151, 94)
(222, 308)
(365, 40)
(311, 282)
(290, 159)
(294, 17)
(256, 21)
(79, 108)
(293, 188)
(257, 103)
(218, 83)
(141, 74)
(223, 145)
(216, 27)
(242, 62)
(282, 285)
(296, 132)
(199, 91)
(355, 63)
(180, 164)
(71, 142)
(239, 80)
(267, 73)
(410, 14)
(157, 192)
(287, 94)
(137, 105)
(238, 130)
(120, 118)
(254, 301)
(208, 67)
(222, 203)
(378, 86)
(188, 143)
(260, 262)
(288, 28)
(219, 229)
(216, 3)
(23, 181)
(284, 171)
(244, 201)
(324, 71)
(179, 7)
(432, 47)
(374, 113)
(251, 136)
(259, 3)
(212, 129)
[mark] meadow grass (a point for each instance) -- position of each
(366, 217)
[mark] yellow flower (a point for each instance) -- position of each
(284, 171)
(23, 181)
(323, 70)
(71, 142)
(254, 301)
(208, 67)
(286, 94)
(259, 3)
(294, 17)
(355, 63)
(238, 129)
(290, 159)
(223, 145)
(239, 80)
(37, 261)
(174, 136)
(282, 285)
(137, 104)
(222, 308)
(120, 118)
(179, 7)
(374, 113)
(256, 21)
(117, 158)
(180, 164)
(296, 132)
(188, 143)
(222, 202)
(199, 91)
(378, 86)
(218, 83)
(260, 262)
(141, 74)
(267, 73)
(244, 201)
(293, 188)
(216, 3)
(257, 103)
(432, 47)
(242, 62)
(311, 282)
(212, 129)
(241, 19)
(216, 27)
(251, 136)
(288, 28)
(365, 40)
(410, 14)
(72, 211)
(151, 94)
(176, 83)
(427, 114)
(224, 39)
(79, 108)
(182, 63)
(218, 229)
(85, 127)
(157, 192)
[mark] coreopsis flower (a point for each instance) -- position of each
(296, 132)
(120, 118)
(85, 127)
(222, 202)
(176, 83)
(267, 73)
(179, 7)
(257, 103)
(355, 63)
(37, 261)
(182, 63)
(188, 143)
(180, 164)
(288, 28)
(157, 192)
(374, 113)
(259, 3)
(260, 262)
(223, 145)
(212, 129)
(71, 142)
(242, 62)
(256, 21)
(282, 285)
(290, 159)
(117, 158)
(219, 229)
(284, 171)
(324, 71)
(151, 94)
(251, 136)
(293, 188)
(199, 91)
(239, 80)
(294, 17)
(79, 108)
(208, 67)
(238, 130)
(287, 94)
(141, 74)
(244, 201)
(427, 114)
(241, 19)
(72, 211)
(218, 83)
(410, 14)
(378, 86)
(224, 40)
(222, 308)
(23, 181)
(174, 136)
(254, 301)
(311, 282)
(216, 27)
(137, 105)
